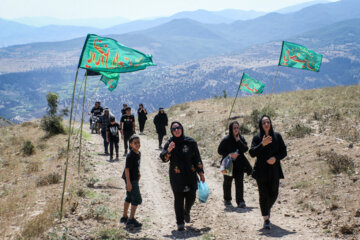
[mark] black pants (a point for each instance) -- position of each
(160, 136)
(180, 208)
(142, 124)
(268, 193)
(239, 187)
(114, 142)
(106, 144)
(127, 136)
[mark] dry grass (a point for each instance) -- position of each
(22, 203)
(331, 115)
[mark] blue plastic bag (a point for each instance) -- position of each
(203, 191)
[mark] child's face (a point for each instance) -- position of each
(112, 123)
(135, 144)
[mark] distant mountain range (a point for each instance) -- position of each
(23, 94)
(34, 29)
(185, 40)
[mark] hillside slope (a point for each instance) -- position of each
(318, 197)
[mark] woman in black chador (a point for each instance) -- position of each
(142, 118)
(235, 145)
(185, 164)
(161, 121)
(269, 148)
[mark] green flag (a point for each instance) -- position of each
(297, 56)
(110, 79)
(101, 54)
(251, 85)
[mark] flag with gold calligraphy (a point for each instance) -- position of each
(109, 58)
(251, 85)
(297, 56)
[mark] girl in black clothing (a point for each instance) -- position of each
(142, 117)
(161, 121)
(185, 162)
(269, 148)
(228, 146)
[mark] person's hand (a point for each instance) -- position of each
(266, 140)
(202, 177)
(171, 146)
(139, 177)
(271, 160)
(107, 139)
(234, 155)
(128, 187)
(237, 138)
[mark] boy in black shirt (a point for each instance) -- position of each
(112, 137)
(131, 175)
(127, 125)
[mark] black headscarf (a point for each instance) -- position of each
(177, 139)
(262, 131)
(231, 133)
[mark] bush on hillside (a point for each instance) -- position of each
(244, 129)
(338, 163)
(299, 131)
(28, 148)
(256, 115)
(52, 123)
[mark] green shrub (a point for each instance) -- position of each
(52, 125)
(299, 131)
(256, 115)
(28, 148)
(244, 129)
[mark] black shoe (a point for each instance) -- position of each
(187, 217)
(160, 148)
(123, 219)
(125, 153)
(267, 224)
(241, 205)
(106, 153)
(227, 203)
(181, 227)
(133, 223)
(111, 159)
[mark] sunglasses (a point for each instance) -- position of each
(175, 128)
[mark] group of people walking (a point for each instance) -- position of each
(186, 167)
(109, 129)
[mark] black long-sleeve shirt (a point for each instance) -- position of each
(229, 145)
(277, 149)
(185, 162)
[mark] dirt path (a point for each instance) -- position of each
(208, 221)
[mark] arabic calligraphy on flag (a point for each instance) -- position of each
(107, 57)
(110, 80)
(251, 85)
(297, 56)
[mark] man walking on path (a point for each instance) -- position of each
(142, 118)
(161, 121)
(112, 137)
(127, 125)
(103, 124)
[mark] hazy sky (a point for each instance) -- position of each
(130, 9)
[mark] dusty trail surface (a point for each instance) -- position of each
(101, 207)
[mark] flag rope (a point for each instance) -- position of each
(68, 147)
(272, 89)
(87, 109)
(226, 127)
(77, 103)
(82, 122)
